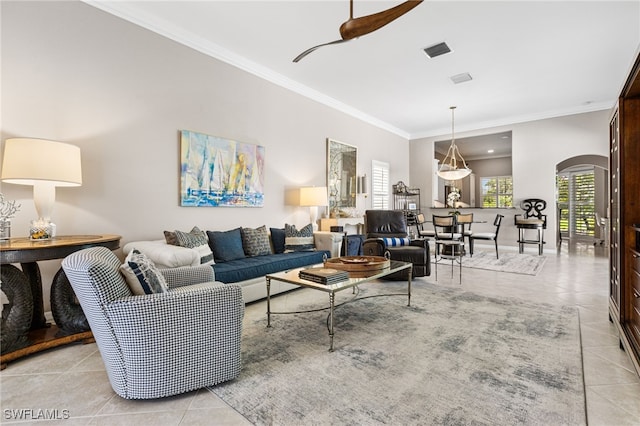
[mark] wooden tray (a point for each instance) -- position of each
(358, 263)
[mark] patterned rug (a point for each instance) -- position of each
(514, 263)
(452, 358)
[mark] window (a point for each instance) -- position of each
(575, 197)
(497, 191)
(379, 185)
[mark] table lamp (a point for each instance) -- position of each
(313, 197)
(44, 164)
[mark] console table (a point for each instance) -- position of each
(25, 330)
(352, 225)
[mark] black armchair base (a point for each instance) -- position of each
(417, 253)
(382, 224)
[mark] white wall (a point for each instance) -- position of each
(75, 74)
(538, 146)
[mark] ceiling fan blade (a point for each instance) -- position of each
(356, 27)
(306, 52)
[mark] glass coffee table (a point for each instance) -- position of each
(292, 277)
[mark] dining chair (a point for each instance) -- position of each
(488, 236)
(532, 218)
(449, 241)
(422, 232)
(466, 220)
(445, 228)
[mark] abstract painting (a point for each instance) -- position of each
(220, 172)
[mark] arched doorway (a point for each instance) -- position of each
(582, 194)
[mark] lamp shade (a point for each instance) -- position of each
(453, 174)
(313, 196)
(30, 161)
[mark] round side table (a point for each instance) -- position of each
(28, 331)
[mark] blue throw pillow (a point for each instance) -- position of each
(277, 238)
(256, 241)
(396, 242)
(226, 245)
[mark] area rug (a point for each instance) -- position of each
(452, 358)
(508, 262)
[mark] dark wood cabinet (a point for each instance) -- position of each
(634, 280)
(624, 205)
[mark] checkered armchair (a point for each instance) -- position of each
(162, 344)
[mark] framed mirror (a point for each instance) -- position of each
(341, 176)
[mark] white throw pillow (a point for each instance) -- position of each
(141, 274)
(298, 240)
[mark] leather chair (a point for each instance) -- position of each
(381, 227)
(162, 344)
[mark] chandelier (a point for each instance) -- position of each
(450, 169)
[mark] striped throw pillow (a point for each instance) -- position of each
(141, 274)
(396, 242)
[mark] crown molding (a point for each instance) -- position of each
(507, 121)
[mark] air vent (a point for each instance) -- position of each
(437, 50)
(461, 78)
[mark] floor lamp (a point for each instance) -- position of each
(44, 164)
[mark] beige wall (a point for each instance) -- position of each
(75, 74)
(538, 146)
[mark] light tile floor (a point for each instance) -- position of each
(73, 378)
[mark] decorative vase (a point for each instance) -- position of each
(5, 229)
(41, 230)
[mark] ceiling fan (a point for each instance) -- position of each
(356, 27)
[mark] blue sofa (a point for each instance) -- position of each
(249, 271)
(258, 266)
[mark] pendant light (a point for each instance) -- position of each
(453, 166)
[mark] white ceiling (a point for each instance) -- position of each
(528, 59)
(493, 145)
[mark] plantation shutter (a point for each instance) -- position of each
(583, 202)
(562, 201)
(379, 185)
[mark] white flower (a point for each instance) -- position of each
(8, 209)
(453, 196)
